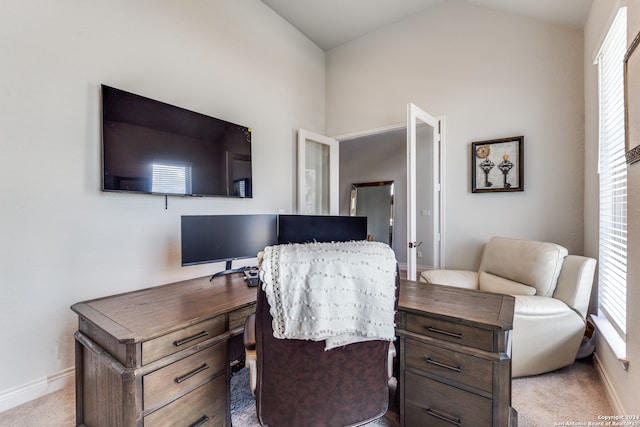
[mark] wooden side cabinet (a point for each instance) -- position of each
(159, 356)
(455, 365)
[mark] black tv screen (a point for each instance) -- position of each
(152, 147)
(321, 228)
(217, 238)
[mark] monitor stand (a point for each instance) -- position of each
(229, 270)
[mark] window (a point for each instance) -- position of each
(612, 169)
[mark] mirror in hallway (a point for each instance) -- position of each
(375, 201)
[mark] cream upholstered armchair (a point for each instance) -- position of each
(552, 291)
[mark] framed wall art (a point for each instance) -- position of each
(632, 102)
(497, 165)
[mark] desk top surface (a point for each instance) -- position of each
(478, 308)
(146, 313)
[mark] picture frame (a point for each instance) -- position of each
(632, 102)
(497, 165)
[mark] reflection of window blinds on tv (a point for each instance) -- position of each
(170, 179)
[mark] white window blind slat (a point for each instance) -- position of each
(612, 276)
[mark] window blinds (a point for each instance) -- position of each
(612, 278)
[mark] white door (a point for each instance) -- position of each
(318, 174)
(423, 191)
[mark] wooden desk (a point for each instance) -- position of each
(455, 365)
(159, 356)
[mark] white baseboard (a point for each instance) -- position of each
(610, 392)
(31, 391)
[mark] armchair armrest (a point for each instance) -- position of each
(249, 336)
(575, 283)
(458, 278)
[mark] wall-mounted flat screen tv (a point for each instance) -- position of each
(152, 147)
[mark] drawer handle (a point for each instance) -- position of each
(200, 422)
(457, 369)
(450, 420)
(189, 339)
(185, 377)
(447, 333)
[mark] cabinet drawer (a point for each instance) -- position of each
(168, 344)
(237, 317)
(434, 404)
(205, 406)
(159, 386)
(453, 332)
(463, 368)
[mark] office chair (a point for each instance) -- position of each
(299, 383)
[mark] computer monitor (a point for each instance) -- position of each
(321, 228)
(225, 238)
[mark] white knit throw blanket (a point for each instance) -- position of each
(337, 292)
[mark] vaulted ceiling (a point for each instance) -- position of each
(330, 23)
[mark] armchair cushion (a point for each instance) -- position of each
(531, 263)
(492, 283)
(458, 278)
(536, 306)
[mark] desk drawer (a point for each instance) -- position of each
(449, 331)
(159, 386)
(237, 317)
(205, 406)
(434, 404)
(459, 367)
(168, 344)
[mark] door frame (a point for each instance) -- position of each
(334, 172)
(414, 115)
(403, 126)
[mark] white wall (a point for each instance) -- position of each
(623, 385)
(62, 240)
(493, 75)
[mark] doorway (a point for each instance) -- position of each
(381, 155)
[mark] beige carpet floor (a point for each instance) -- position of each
(565, 397)
(570, 396)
